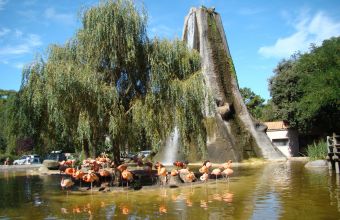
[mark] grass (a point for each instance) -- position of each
(317, 150)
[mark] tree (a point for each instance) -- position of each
(112, 81)
(254, 103)
(306, 88)
(269, 112)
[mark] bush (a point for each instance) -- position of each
(317, 150)
(3, 157)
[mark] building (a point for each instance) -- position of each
(283, 137)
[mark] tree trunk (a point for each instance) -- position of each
(86, 148)
(116, 154)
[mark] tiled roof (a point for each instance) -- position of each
(276, 125)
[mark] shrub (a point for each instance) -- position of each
(317, 150)
(4, 156)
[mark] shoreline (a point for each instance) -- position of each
(250, 162)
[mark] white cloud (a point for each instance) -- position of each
(69, 19)
(163, 31)
(2, 4)
(4, 31)
(20, 44)
(308, 30)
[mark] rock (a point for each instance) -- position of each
(43, 170)
(224, 110)
(51, 164)
(235, 139)
(261, 127)
(174, 181)
(183, 177)
(317, 164)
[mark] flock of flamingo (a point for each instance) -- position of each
(105, 173)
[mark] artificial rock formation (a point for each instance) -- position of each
(231, 131)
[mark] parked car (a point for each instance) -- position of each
(52, 160)
(34, 159)
(21, 161)
(144, 153)
(27, 159)
(57, 155)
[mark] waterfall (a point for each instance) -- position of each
(171, 147)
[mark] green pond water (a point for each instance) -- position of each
(272, 191)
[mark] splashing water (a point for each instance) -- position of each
(171, 147)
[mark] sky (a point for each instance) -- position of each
(260, 33)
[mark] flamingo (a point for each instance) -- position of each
(70, 171)
(228, 171)
(208, 164)
(204, 177)
(179, 164)
(191, 176)
(161, 172)
(66, 183)
(148, 169)
(90, 178)
(174, 172)
(78, 174)
(216, 172)
(204, 169)
(227, 164)
(127, 175)
(104, 173)
(122, 167)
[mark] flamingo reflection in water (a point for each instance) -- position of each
(125, 209)
(204, 204)
(228, 197)
(64, 210)
(162, 209)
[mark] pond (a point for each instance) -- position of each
(284, 190)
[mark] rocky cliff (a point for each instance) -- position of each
(232, 133)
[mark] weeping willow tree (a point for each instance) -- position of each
(112, 81)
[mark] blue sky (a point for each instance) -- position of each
(260, 33)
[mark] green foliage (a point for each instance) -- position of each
(317, 150)
(111, 81)
(253, 102)
(269, 112)
(306, 88)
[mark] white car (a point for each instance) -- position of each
(144, 153)
(27, 159)
(21, 161)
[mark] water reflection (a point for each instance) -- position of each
(273, 191)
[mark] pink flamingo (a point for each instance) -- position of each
(127, 175)
(204, 177)
(216, 172)
(66, 183)
(228, 171)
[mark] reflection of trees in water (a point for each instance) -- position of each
(18, 190)
(334, 189)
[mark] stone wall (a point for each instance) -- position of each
(232, 133)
